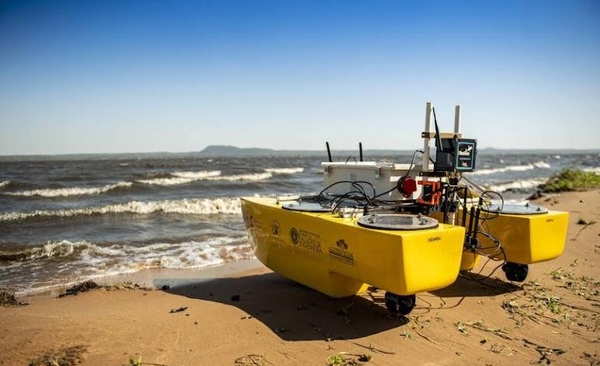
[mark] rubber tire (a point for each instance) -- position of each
(515, 272)
(400, 304)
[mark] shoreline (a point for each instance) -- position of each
(156, 278)
(244, 314)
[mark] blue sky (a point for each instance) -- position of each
(140, 76)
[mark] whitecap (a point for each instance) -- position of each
(245, 177)
(284, 170)
(188, 206)
(69, 191)
(515, 168)
(520, 184)
(182, 178)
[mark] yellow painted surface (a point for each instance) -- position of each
(339, 258)
(527, 239)
(470, 259)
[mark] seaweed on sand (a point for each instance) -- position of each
(91, 285)
(67, 356)
(8, 299)
(80, 287)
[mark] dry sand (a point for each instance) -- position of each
(247, 315)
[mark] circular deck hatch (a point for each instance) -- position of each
(398, 222)
(306, 207)
(515, 209)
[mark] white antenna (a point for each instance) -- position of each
(428, 108)
(457, 119)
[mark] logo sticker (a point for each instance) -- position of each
(294, 235)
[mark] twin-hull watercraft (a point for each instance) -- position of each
(341, 255)
(404, 229)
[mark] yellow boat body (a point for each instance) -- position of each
(527, 239)
(338, 257)
(470, 259)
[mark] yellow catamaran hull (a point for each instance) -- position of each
(338, 257)
(524, 238)
(527, 239)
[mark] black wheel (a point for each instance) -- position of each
(515, 271)
(399, 304)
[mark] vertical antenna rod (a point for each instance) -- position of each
(360, 151)
(426, 139)
(457, 119)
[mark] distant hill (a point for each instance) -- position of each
(225, 150)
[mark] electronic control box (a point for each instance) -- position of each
(455, 155)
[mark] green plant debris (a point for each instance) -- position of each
(500, 332)
(406, 335)
(252, 360)
(520, 312)
(553, 303)
(560, 274)
(575, 263)
(584, 287)
(67, 356)
(571, 180)
(461, 327)
(347, 359)
(539, 305)
(135, 360)
(544, 351)
(497, 348)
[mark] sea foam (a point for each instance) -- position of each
(188, 206)
(512, 168)
(521, 184)
(69, 191)
(284, 170)
(91, 261)
(182, 178)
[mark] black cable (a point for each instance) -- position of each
(400, 180)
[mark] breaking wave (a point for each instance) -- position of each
(171, 179)
(49, 267)
(188, 206)
(522, 184)
(185, 255)
(188, 177)
(512, 168)
(247, 177)
(284, 170)
(592, 170)
(67, 192)
(177, 178)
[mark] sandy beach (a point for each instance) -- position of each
(243, 314)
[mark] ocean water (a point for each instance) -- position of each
(72, 218)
